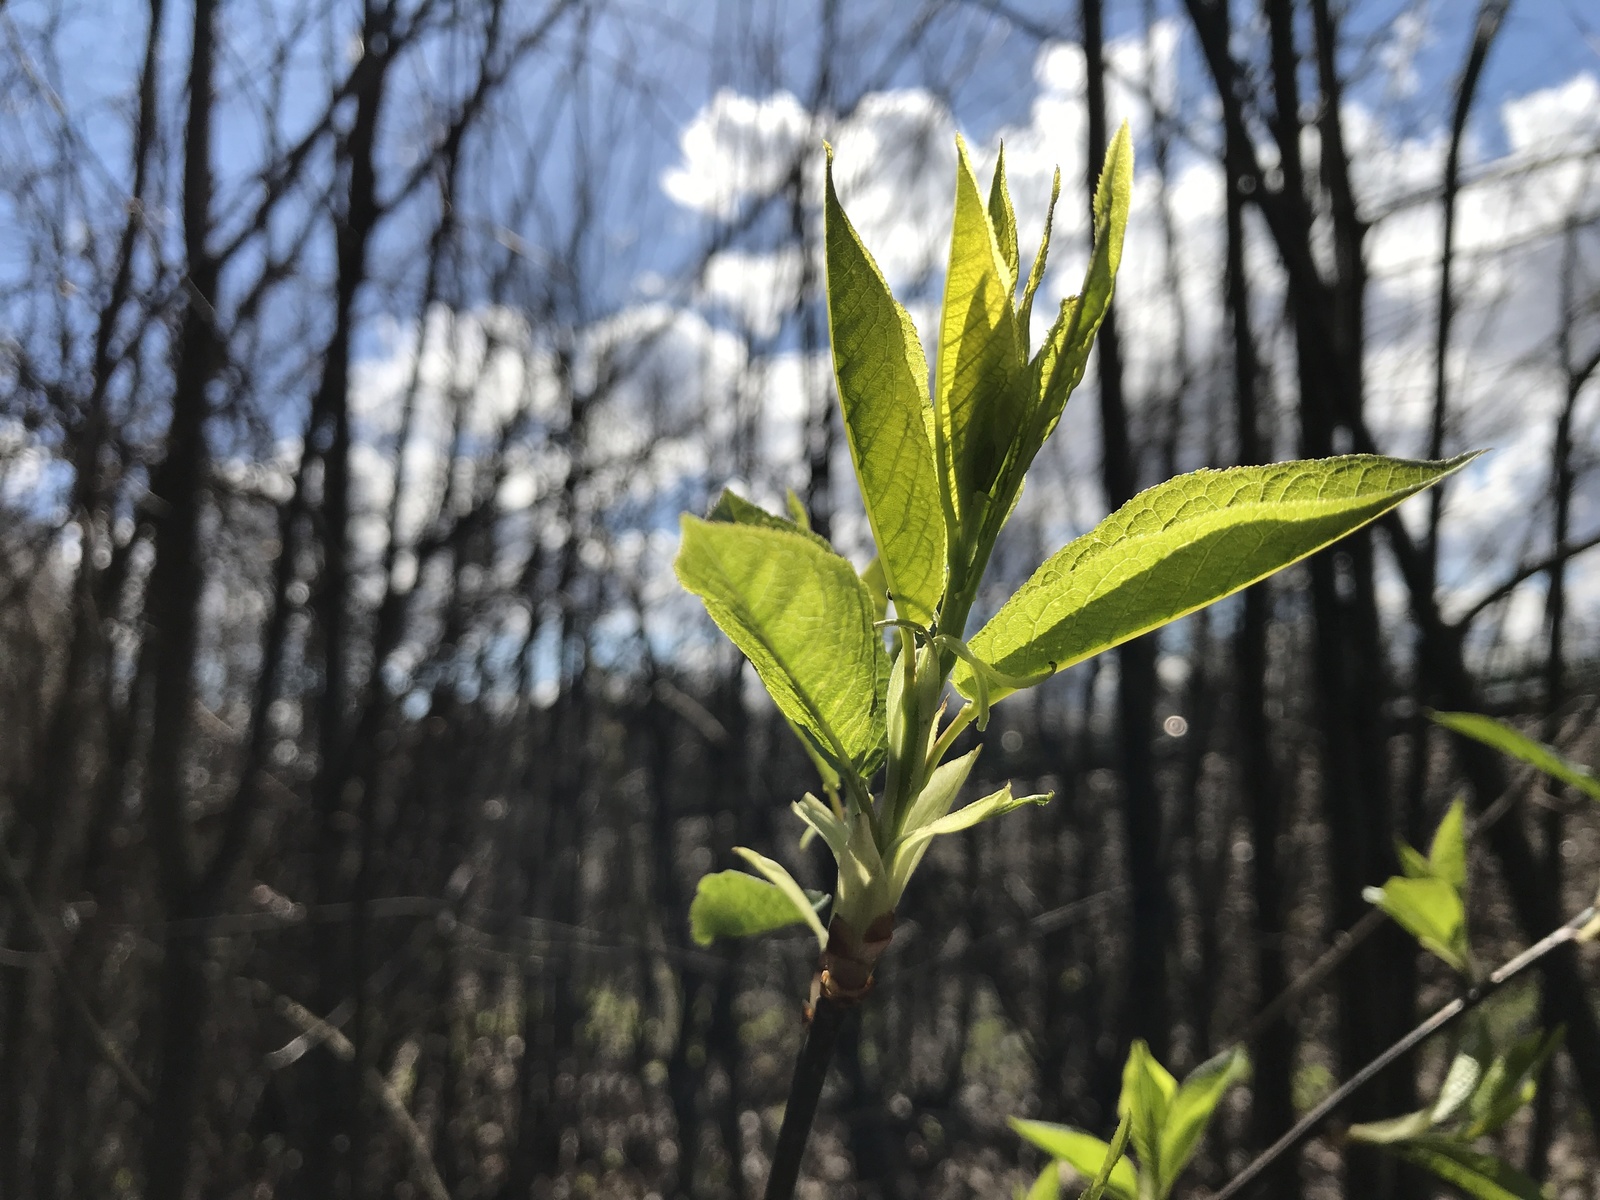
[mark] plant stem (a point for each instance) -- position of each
(1474, 996)
(804, 1091)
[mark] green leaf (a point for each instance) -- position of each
(799, 899)
(733, 509)
(804, 620)
(1083, 1152)
(930, 805)
(1447, 856)
(878, 584)
(996, 804)
(1460, 1082)
(1413, 864)
(1065, 354)
(733, 904)
(1393, 1129)
(980, 399)
(1147, 1092)
(883, 392)
(1510, 1082)
(1190, 1109)
(1003, 217)
(1182, 545)
(1431, 911)
(1479, 1175)
(1119, 1148)
(1046, 1187)
(1036, 272)
(1508, 741)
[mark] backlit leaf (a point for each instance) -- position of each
(1190, 1110)
(980, 398)
(1083, 1152)
(883, 391)
(1508, 741)
(1431, 911)
(1182, 545)
(803, 618)
(734, 904)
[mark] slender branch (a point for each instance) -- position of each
(1560, 555)
(1461, 1005)
(75, 998)
(805, 1090)
(1343, 946)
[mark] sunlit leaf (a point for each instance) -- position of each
(734, 904)
(1393, 1129)
(1046, 1187)
(1083, 1152)
(883, 391)
(1431, 911)
(1182, 545)
(778, 875)
(1002, 216)
(1190, 1110)
(1447, 855)
(930, 805)
(1508, 741)
(733, 509)
(1147, 1092)
(1114, 1157)
(1065, 353)
(1040, 260)
(993, 805)
(803, 618)
(981, 394)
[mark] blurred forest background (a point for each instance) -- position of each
(359, 753)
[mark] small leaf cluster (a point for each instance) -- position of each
(858, 662)
(1163, 1119)
(1429, 900)
(1483, 1089)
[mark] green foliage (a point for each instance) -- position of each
(1163, 1119)
(1428, 901)
(1482, 1090)
(803, 618)
(734, 904)
(940, 469)
(1182, 545)
(883, 393)
(1507, 740)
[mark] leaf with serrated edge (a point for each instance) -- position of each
(733, 509)
(803, 618)
(1081, 316)
(1036, 272)
(979, 399)
(1180, 546)
(1002, 216)
(1083, 1152)
(883, 392)
(1508, 741)
(778, 875)
(733, 904)
(1190, 1109)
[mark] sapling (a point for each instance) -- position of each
(862, 664)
